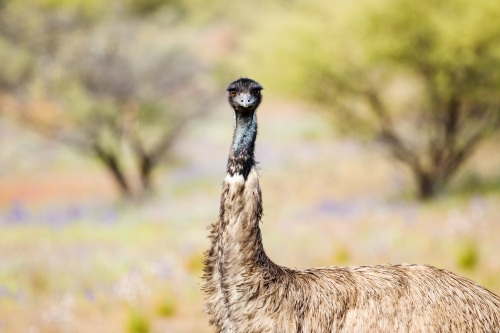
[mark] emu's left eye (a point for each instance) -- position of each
(256, 93)
(232, 93)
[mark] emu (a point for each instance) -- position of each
(246, 292)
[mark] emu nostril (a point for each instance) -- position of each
(249, 100)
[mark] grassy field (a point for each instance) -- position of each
(75, 259)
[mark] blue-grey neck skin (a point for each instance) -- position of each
(241, 157)
(245, 131)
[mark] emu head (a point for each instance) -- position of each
(244, 95)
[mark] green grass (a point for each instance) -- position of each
(137, 322)
(468, 256)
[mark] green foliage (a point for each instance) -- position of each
(88, 9)
(342, 256)
(452, 45)
(472, 184)
(118, 87)
(468, 256)
(420, 77)
(167, 307)
(146, 6)
(137, 322)
(16, 65)
(372, 40)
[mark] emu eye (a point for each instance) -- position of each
(256, 93)
(232, 93)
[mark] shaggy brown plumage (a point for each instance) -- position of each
(247, 292)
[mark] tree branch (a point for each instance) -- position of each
(399, 150)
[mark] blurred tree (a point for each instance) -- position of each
(118, 90)
(422, 77)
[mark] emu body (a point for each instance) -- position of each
(247, 292)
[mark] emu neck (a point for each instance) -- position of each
(241, 157)
(238, 257)
(239, 218)
(241, 202)
(236, 264)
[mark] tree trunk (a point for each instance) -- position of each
(426, 186)
(111, 163)
(119, 178)
(146, 168)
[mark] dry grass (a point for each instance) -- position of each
(72, 263)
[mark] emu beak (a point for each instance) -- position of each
(245, 100)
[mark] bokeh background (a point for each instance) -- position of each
(378, 143)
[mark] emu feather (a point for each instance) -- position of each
(247, 292)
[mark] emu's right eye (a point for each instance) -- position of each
(232, 93)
